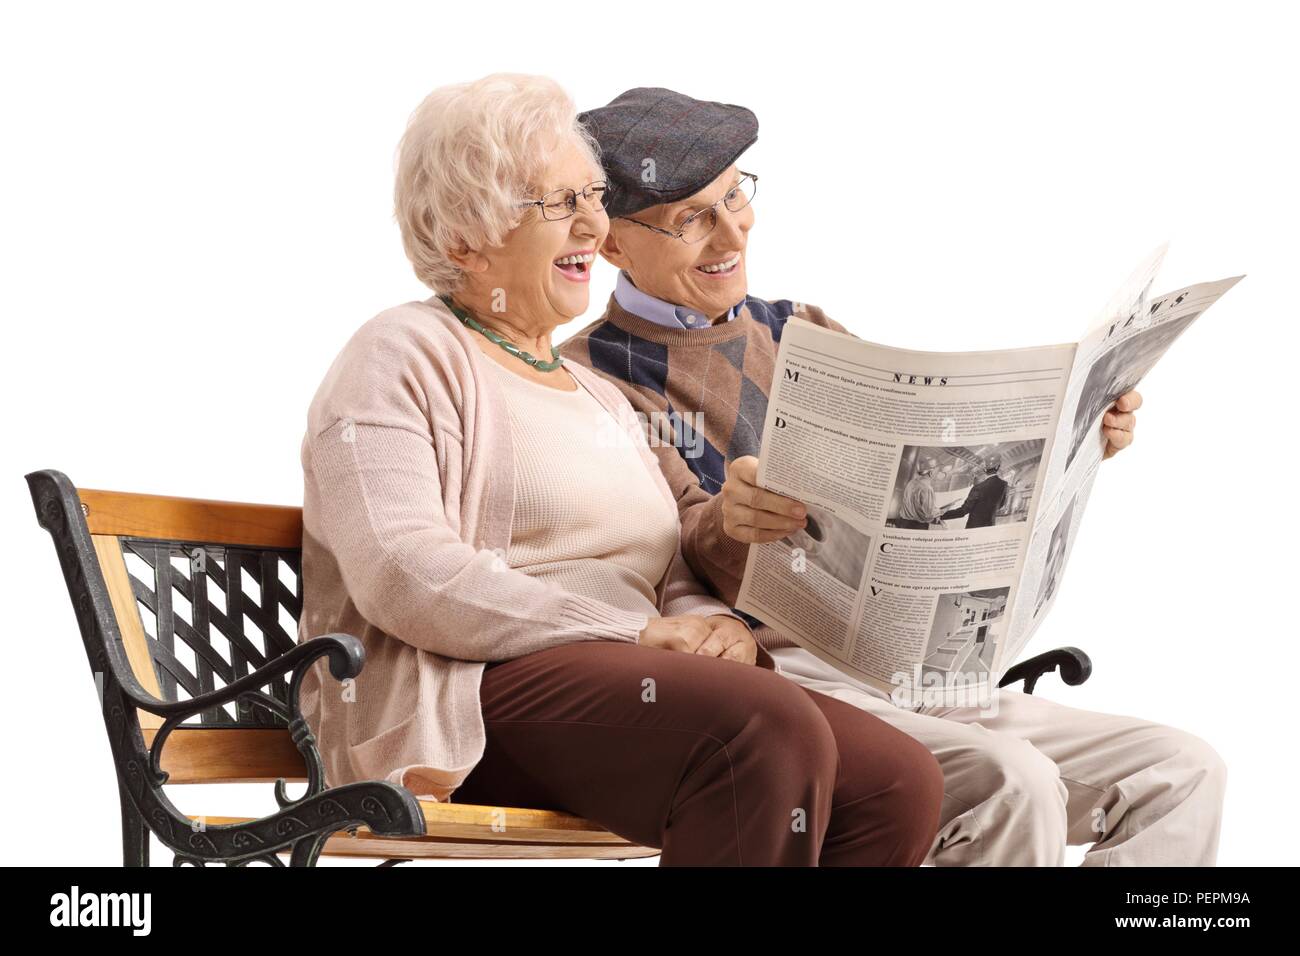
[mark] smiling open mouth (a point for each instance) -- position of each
(577, 267)
(725, 267)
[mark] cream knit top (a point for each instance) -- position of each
(588, 517)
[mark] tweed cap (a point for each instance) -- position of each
(659, 146)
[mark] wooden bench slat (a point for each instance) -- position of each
(109, 552)
(229, 755)
(465, 829)
(366, 844)
(449, 850)
(471, 821)
(191, 519)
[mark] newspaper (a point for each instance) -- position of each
(944, 490)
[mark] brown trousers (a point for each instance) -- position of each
(714, 762)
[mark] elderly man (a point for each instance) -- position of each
(917, 512)
(681, 336)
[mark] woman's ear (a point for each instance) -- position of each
(611, 251)
(467, 259)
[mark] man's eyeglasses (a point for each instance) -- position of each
(563, 203)
(701, 222)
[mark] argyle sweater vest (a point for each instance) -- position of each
(711, 384)
(702, 394)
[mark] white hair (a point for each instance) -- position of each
(471, 152)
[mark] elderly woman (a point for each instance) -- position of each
(493, 525)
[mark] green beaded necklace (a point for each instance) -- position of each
(516, 351)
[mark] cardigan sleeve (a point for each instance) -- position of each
(380, 511)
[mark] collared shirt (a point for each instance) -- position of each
(658, 311)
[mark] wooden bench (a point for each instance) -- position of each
(189, 611)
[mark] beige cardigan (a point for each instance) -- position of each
(408, 501)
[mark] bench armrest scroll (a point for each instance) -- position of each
(1073, 664)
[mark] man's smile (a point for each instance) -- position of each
(722, 267)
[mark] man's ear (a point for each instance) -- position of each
(611, 251)
(467, 259)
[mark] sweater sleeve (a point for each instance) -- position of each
(816, 316)
(714, 555)
(684, 593)
(380, 512)
(715, 558)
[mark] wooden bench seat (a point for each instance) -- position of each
(465, 831)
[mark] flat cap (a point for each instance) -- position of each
(659, 146)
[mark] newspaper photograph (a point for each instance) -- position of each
(944, 490)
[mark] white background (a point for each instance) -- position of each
(197, 213)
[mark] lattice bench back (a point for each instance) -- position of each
(211, 613)
(203, 591)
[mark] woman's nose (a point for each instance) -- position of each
(589, 224)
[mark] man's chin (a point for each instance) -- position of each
(720, 299)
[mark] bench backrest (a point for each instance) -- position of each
(200, 593)
(203, 591)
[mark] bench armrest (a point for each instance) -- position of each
(1073, 664)
(346, 654)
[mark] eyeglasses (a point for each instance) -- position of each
(701, 222)
(562, 203)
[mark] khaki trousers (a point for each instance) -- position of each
(1022, 783)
